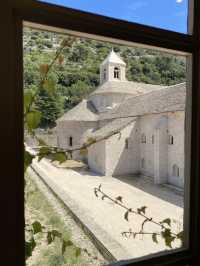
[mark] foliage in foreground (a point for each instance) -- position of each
(46, 231)
(32, 119)
(164, 227)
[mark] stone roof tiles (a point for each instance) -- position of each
(126, 87)
(84, 111)
(113, 58)
(171, 98)
(112, 127)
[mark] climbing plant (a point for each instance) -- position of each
(164, 227)
(32, 119)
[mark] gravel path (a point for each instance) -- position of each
(78, 236)
(106, 220)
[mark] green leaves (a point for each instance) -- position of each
(154, 238)
(167, 235)
(29, 247)
(32, 120)
(28, 158)
(55, 233)
(37, 227)
(77, 251)
(28, 99)
(51, 235)
(49, 238)
(141, 210)
(49, 85)
(166, 221)
(59, 156)
(66, 244)
(127, 214)
(119, 198)
(69, 243)
(43, 152)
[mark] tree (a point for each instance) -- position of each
(79, 91)
(50, 108)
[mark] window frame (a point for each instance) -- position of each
(70, 141)
(13, 13)
(170, 139)
(116, 73)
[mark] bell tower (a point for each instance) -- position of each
(113, 68)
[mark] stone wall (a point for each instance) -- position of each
(122, 151)
(76, 130)
(50, 138)
(176, 128)
(96, 157)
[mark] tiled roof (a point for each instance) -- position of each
(112, 127)
(126, 87)
(113, 58)
(84, 111)
(171, 98)
(159, 99)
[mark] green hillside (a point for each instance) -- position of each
(79, 73)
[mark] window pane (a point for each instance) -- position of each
(170, 14)
(108, 125)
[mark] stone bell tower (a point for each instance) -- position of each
(113, 68)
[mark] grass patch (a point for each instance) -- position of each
(38, 208)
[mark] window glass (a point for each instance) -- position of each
(169, 14)
(89, 138)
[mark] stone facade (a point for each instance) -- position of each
(139, 128)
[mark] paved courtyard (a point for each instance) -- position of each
(103, 218)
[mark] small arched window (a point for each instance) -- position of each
(142, 163)
(104, 74)
(175, 170)
(143, 138)
(171, 140)
(116, 73)
(70, 141)
(126, 143)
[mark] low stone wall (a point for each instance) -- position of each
(48, 137)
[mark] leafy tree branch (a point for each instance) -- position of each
(165, 230)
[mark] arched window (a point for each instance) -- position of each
(152, 139)
(143, 138)
(104, 74)
(171, 140)
(70, 141)
(142, 163)
(116, 73)
(126, 143)
(175, 170)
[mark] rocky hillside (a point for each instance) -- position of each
(79, 73)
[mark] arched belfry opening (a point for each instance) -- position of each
(113, 68)
(116, 72)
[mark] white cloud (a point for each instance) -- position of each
(179, 1)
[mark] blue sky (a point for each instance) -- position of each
(166, 14)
